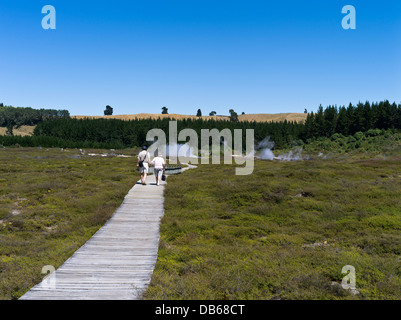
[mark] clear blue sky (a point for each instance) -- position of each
(252, 56)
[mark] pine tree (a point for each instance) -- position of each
(319, 122)
(309, 127)
(342, 121)
(330, 120)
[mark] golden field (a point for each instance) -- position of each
(22, 131)
(258, 117)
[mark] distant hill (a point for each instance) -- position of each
(258, 117)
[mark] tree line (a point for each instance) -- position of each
(352, 119)
(325, 122)
(132, 133)
(15, 117)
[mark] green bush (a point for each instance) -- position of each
(336, 136)
(351, 139)
(373, 132)
(359, 135)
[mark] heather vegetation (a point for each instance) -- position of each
(285, 232)
(51, 203)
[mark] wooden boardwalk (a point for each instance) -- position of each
(117, 262)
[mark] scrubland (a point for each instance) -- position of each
(51, 203)
(285, 232)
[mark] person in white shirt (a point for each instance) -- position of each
(160, 167)
(143, 164)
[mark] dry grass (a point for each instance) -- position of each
(22, 131)
(259, 117)
(266, 117)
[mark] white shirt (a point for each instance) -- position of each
(158, 162)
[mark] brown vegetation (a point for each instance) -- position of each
(22, 131)
(259, 117)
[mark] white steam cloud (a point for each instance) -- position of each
(264, 151)
(180, 150)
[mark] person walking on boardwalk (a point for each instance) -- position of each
(143, 164)
(160, 167)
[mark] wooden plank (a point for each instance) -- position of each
(117, 262)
